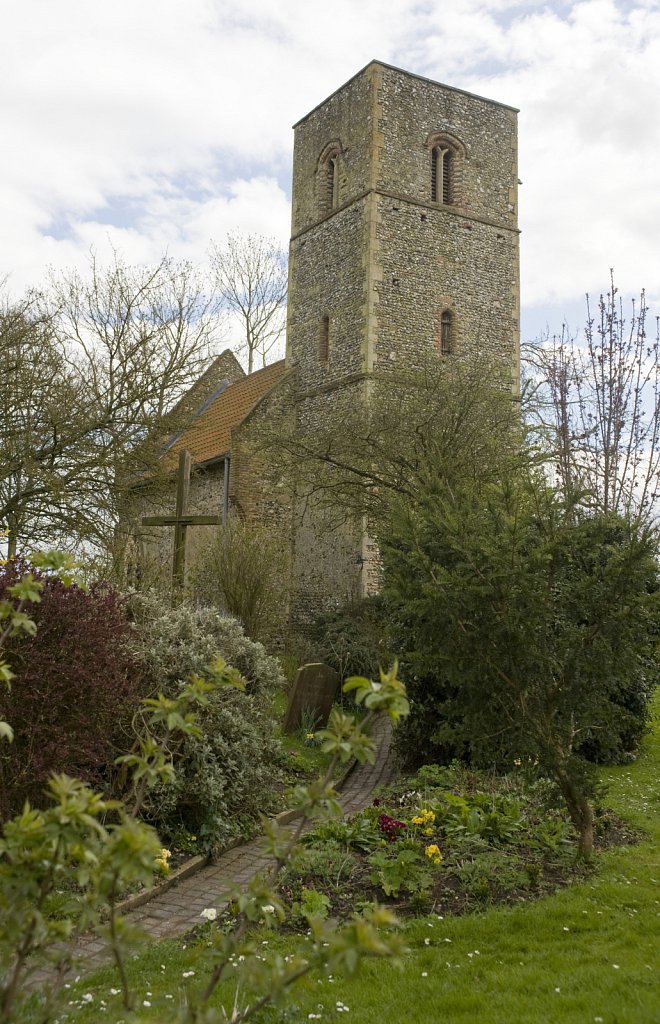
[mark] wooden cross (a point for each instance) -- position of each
(181, 520)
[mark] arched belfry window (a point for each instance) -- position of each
(328, 177)
(445, 334)
(447, 159)
(441, 175)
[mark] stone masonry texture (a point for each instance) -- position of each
(378, 257)
(374, 274)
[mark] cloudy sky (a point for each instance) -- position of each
(156, 125)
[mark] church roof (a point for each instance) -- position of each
(209, 435)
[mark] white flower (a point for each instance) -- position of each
(88, 997)
(427, 942)
(115, 991)
(268, 908)
(209, 914)
(145, 1002)
(425, 974)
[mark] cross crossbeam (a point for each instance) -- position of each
(181, 520)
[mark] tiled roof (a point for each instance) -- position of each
(209, 435)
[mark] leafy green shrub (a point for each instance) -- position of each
(223, 778)
(175, 643)
(76, 683)
(350, 639)
(403, 871)
(312, 904)
(360, 832)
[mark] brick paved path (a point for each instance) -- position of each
(177, 910)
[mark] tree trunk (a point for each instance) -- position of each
(580, 811)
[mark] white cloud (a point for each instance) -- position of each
(157, 125)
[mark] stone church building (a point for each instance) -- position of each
(404, 240)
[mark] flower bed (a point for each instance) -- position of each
(449, 841)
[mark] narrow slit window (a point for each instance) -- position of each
(441, 175)
(330, 185)
(445, 333)
(324, 339)
(446, 175)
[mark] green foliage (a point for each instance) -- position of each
(42, 852)
(243, 572)
(222, 776)
(359, 832)
(526, 632)
(350, 639)
(388, 695)
(39, 848)
(312, 904)
(495, 819)
(176, 643)
(402, 871)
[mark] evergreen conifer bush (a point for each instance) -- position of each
(529, 631)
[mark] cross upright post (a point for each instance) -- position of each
(182, 493)
(181, 520)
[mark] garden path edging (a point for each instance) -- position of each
(195, 864)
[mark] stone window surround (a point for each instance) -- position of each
(457, 155)
(327, 171)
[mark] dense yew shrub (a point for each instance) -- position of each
(225, 777)
(529, 631)
(514, 620)
(506, 611)
(76, 684)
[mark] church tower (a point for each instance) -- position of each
(404, 240)
(404, 227)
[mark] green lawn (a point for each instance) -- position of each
(588, 953)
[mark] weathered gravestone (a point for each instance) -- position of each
(315, 689)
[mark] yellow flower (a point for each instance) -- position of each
(433, 853)
(161, 861)
(428, 831)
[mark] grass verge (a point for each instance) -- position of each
(585, 954)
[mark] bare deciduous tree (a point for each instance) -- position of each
(595, 404)
(251, 280)
(90, 371)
